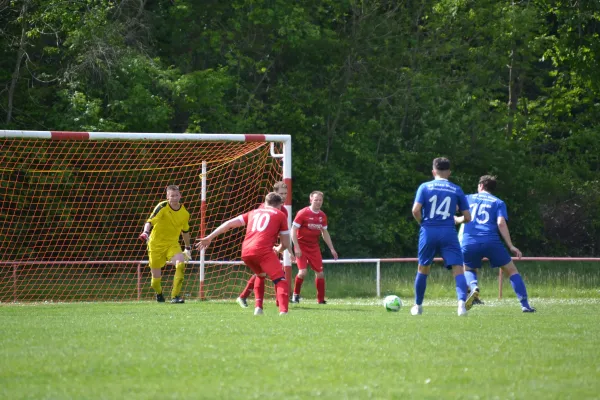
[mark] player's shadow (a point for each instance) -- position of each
(325, 308)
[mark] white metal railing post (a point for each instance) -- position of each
(378, 278)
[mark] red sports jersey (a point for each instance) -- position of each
(283, 209)
(263, 227)
(309, 224)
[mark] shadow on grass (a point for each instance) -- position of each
(336, 309)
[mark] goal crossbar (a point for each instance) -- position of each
(206, 137)
(73, 204)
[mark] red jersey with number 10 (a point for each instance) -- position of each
(263, 227)
(310, 224)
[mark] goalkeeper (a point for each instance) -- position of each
(161, 231)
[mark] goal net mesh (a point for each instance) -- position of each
(71, 212)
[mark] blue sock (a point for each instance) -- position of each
(461, 287)
(420, 286)
(471, 277)
(519, 287)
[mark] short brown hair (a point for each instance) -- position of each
(315, 193)
(441, 164)
(488, 182)
(173, 187)
(273, 199)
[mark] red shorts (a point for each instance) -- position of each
(310, 257)
(268, 263)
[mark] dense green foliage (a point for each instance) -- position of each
(371, 92)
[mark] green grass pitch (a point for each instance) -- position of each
(347, 349)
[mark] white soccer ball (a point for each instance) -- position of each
(392, 303)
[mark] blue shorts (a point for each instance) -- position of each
(493, 251)
(443, 241)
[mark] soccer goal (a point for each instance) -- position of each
(72, 205)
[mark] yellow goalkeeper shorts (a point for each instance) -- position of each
(158, 257)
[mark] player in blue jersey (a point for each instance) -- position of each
(435, 204)
(482, 237)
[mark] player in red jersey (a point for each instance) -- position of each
(281, 189)
(264, 226)
(309, 224)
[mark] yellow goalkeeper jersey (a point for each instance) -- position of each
(167, 224)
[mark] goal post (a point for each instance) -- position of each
(72, 205)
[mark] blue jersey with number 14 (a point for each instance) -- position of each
(439, 199)
(485, 210)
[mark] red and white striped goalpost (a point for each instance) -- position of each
(279, 149)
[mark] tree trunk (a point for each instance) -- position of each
(17, 70)
(511, 88)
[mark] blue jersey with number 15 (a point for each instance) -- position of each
(439, 199)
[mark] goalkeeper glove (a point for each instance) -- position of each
(144, 236)
(187, 254)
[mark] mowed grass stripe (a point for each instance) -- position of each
(346, 349)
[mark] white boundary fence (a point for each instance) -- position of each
(378, 261)
(14, 265)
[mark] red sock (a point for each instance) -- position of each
(248, 289)
(298, 285)
(320, 284)
(259, 291)
(283, 295)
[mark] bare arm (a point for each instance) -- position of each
(146, 232)
(464, 218)
(186, 239)
(147, 227)
(503, 228)
(285, 244)
(297, 249)
(416, 212)
(329, 243)
(187, 252)
(203, 243)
